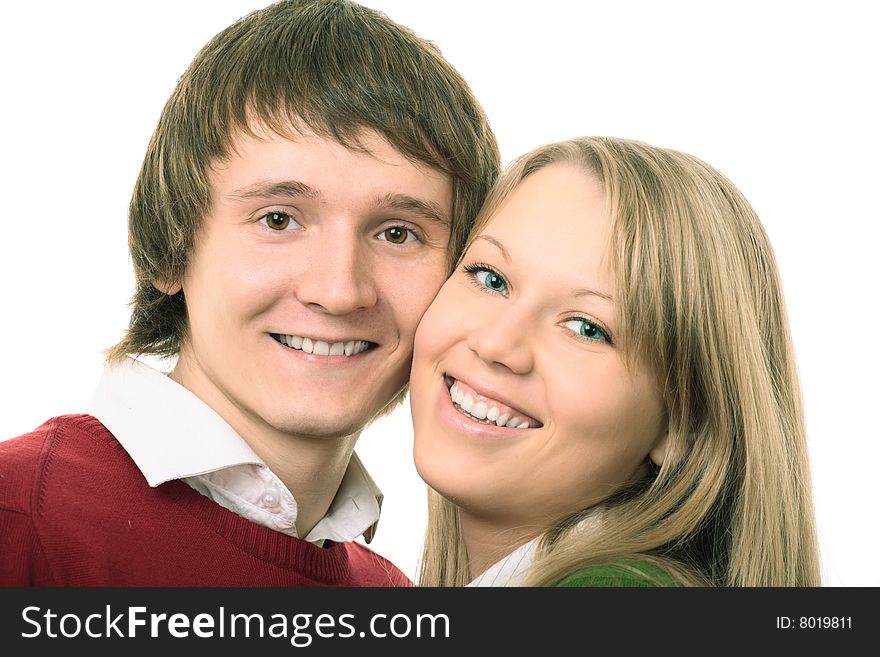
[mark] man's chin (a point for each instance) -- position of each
(322, 426)
(329, 413)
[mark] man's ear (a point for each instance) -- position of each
(166, 288)
(658, 451)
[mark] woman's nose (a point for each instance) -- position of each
(497, 341)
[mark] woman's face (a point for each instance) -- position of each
(522, 406)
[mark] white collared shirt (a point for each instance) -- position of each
(172, 434)
(511, 570)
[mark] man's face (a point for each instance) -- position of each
(307, 280)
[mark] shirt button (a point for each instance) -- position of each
(270, 499)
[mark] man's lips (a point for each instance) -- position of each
(485, 408)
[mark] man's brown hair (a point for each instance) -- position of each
(332, 66)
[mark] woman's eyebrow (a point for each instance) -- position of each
(496, 243)
(585, 291)
(577, 292)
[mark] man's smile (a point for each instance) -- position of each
(323, 347)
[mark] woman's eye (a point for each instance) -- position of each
(491, 280)
(278, 220)
(397, 235)
(484, 277)
(586, 329)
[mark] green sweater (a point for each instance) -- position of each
(623, 573)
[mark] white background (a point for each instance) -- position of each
(779, 96)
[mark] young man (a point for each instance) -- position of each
(310, 181)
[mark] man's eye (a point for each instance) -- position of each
(397, 235)
(279, 221)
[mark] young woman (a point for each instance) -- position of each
(604, 392)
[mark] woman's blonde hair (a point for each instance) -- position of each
(699, 303)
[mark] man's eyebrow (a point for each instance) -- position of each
(274, 188)
(414, 205)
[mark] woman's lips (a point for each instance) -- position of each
(487, 410)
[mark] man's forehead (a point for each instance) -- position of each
(259, 166)
(361, 139)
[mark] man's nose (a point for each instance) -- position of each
(338, 279)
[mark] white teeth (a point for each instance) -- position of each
(482, 411)
(323, 348)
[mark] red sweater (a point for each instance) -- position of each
(76, 511)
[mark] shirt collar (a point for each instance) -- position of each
(172, 434)
(511, 570)
(168, 431)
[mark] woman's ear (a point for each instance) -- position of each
(658, 451)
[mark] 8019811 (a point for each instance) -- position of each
(814, 622)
